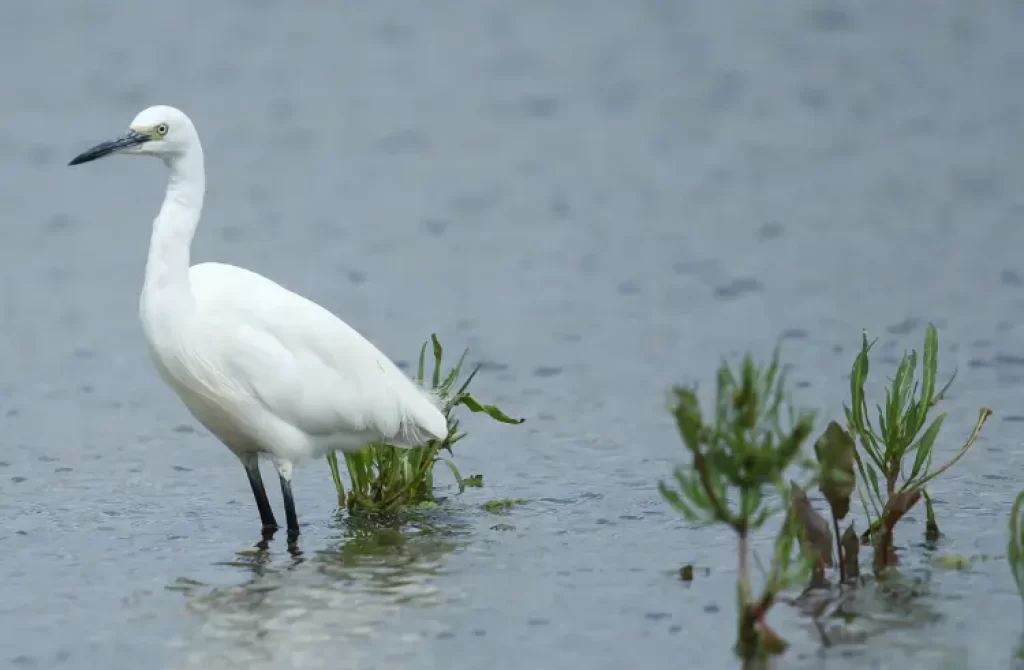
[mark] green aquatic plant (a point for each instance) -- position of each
(1015, 545)
(739, 457)
(894, 459)
(383, 477)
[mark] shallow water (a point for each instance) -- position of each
(599, 199)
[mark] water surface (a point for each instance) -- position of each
(599, 199)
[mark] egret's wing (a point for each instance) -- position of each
(294, 384)
(308, 367)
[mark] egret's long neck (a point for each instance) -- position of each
(167, 268)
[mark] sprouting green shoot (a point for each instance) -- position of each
(384, 477)
(894, 454)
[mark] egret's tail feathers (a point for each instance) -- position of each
(422, 420)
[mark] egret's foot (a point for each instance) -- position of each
(293, 547)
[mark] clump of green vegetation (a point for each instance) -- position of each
(383, 477)
(884, 453)
(740, 454)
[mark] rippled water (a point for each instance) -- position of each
(599, 199)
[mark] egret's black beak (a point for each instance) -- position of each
(128, 140)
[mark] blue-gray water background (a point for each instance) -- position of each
(599, 198)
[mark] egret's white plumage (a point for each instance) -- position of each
(262, 368)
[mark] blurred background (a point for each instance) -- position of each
(599, 198)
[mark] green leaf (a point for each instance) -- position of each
(873, 480)
(750, 501)
(983, 415)
(693, 491)
(924, 448)
(931, 527)
(858, 377)
(835, 452)
(490, 410)
(332, 462)
(763, 516)
(930, 366)
(419, 367)
(874, 452)
(676, 501)
(455, 473)
(453, 374)
(724, 395)
(867, 499)
(896, 399)
(942, 393)
(465, 384)
(436, 377)
(686, 410)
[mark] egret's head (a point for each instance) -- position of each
(160, 131)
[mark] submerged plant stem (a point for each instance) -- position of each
(744, 549)
(746, 635)
(840, 553)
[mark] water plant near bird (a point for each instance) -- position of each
(882, 454)
(740, 454)
(383, 477)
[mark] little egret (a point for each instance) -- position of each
(263, 369)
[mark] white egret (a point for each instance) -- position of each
(262, 368)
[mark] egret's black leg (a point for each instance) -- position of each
(289, 508)
(284, 471)
(252, 468)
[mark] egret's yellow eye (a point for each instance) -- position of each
(161, 129)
